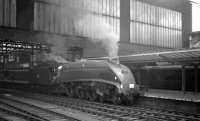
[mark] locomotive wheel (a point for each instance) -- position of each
(70, 93)
(76, 93)
(131, 101)
(87, 95)
(80, 94)
(92, 96)
(116, 100)
(100, 98)
(67, 92)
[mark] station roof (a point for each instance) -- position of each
(184, 56)
(187, 56)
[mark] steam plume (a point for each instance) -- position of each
(91, 25)
(79, 17)
(99, 32)
(53, 57)
(57, 48)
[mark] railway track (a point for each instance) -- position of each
(13, 110)
(9, 113)
(108, 112)
(121, 113)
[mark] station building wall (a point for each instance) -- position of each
(152, 23)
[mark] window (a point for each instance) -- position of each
(156, 26)
(54, 16)
(8, 13)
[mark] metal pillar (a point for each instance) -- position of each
(186, 24)
(183, 78)
(32, 56)
(124, 21)
(139, 76)
(24, 14)
(196, 78)
(5, 61)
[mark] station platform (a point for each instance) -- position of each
(171, 100)
(173, 95)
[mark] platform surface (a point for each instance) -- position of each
(175, 95)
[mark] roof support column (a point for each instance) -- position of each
(138, 72)
(186, 24)
(25, 14)
(5, 57)
(124, 21)
(183, 78)
(196, 78)
(32, 56)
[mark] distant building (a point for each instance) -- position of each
(141, 25)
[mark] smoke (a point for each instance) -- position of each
(53, 57)
(96, 28)
(44, 57)
(79, 18)
(92, 25)
(57, 48)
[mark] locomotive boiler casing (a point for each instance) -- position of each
(106, 78)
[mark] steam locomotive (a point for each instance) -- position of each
(28, 66)
(98, 80)
(95, 80)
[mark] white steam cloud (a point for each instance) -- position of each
(80, 18)
(57, 48)
(96, 28)
(88, 24)
(50, 57)
(53, 57)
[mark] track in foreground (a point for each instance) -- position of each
(118, 113)
(122, 112)
(13, 110)
(107, 112)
